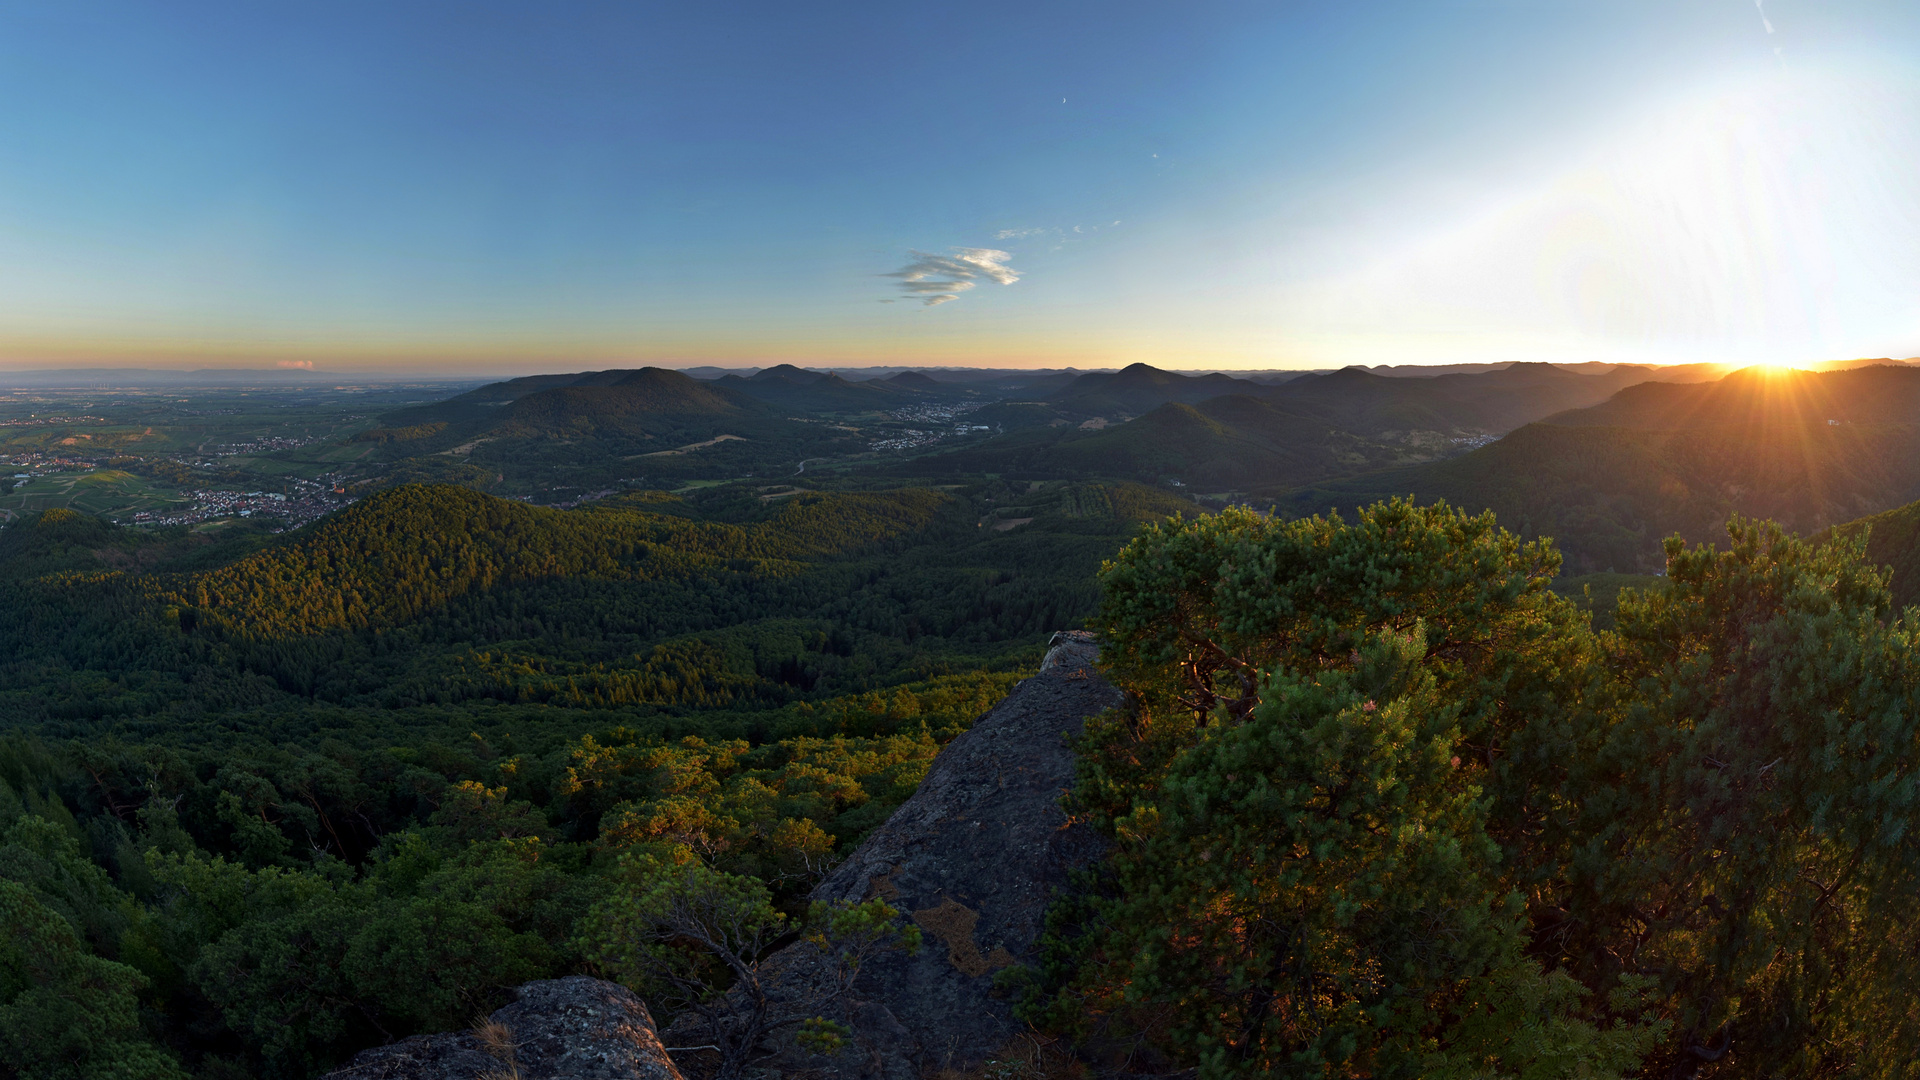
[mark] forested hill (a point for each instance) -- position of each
(1762, 401)
(786, 387)
(1140, 388)
(638, 403)
(652, 397)
(616, 430)
(441, 595)
(1609, 483)
(511, 390)
(405, 552)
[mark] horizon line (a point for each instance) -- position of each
(306, 374)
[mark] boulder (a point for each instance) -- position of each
(972, 858)
(574, 1028)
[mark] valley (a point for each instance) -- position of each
(395, 648)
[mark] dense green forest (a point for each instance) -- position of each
(442, 596)
(266, 901)
(266, 799)
(1383, 804)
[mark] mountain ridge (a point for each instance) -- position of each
(1610, 482)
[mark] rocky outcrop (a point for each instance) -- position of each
(972, 858)
(574, 1028)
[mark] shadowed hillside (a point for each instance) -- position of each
(796, 389)
(1611, 481)
(1223, 443)
(914, 380)
(1216, 433)
(1140, 388)
(645, 401)
(587, 404)
(1893, 541)
(1763, 400)
(586, 431)
(1491, 402)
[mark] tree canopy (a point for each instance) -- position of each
(1383, 805)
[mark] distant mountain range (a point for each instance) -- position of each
(976, 377)
(1028, 380)
(108, 378)
(1610, 481)
(1607, 459)
(1489, 402)
(1218, 433)
(1763, 400)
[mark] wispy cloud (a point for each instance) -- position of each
(303, 365)
(1060, 235)
(938, 279)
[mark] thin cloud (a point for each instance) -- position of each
(1019, 234)
(1761, 7)
(938, 279)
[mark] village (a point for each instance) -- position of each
(308, 501)
(46, 421)
(947, 416)
(260, 446)
(36, 463)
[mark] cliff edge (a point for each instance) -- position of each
(972, 858)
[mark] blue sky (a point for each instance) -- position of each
(548, 186)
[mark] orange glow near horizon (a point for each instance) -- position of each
(486, 359)
(522, 353)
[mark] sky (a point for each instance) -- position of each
(482, 188)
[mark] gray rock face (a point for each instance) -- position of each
(575, 1028)
(973, 858)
